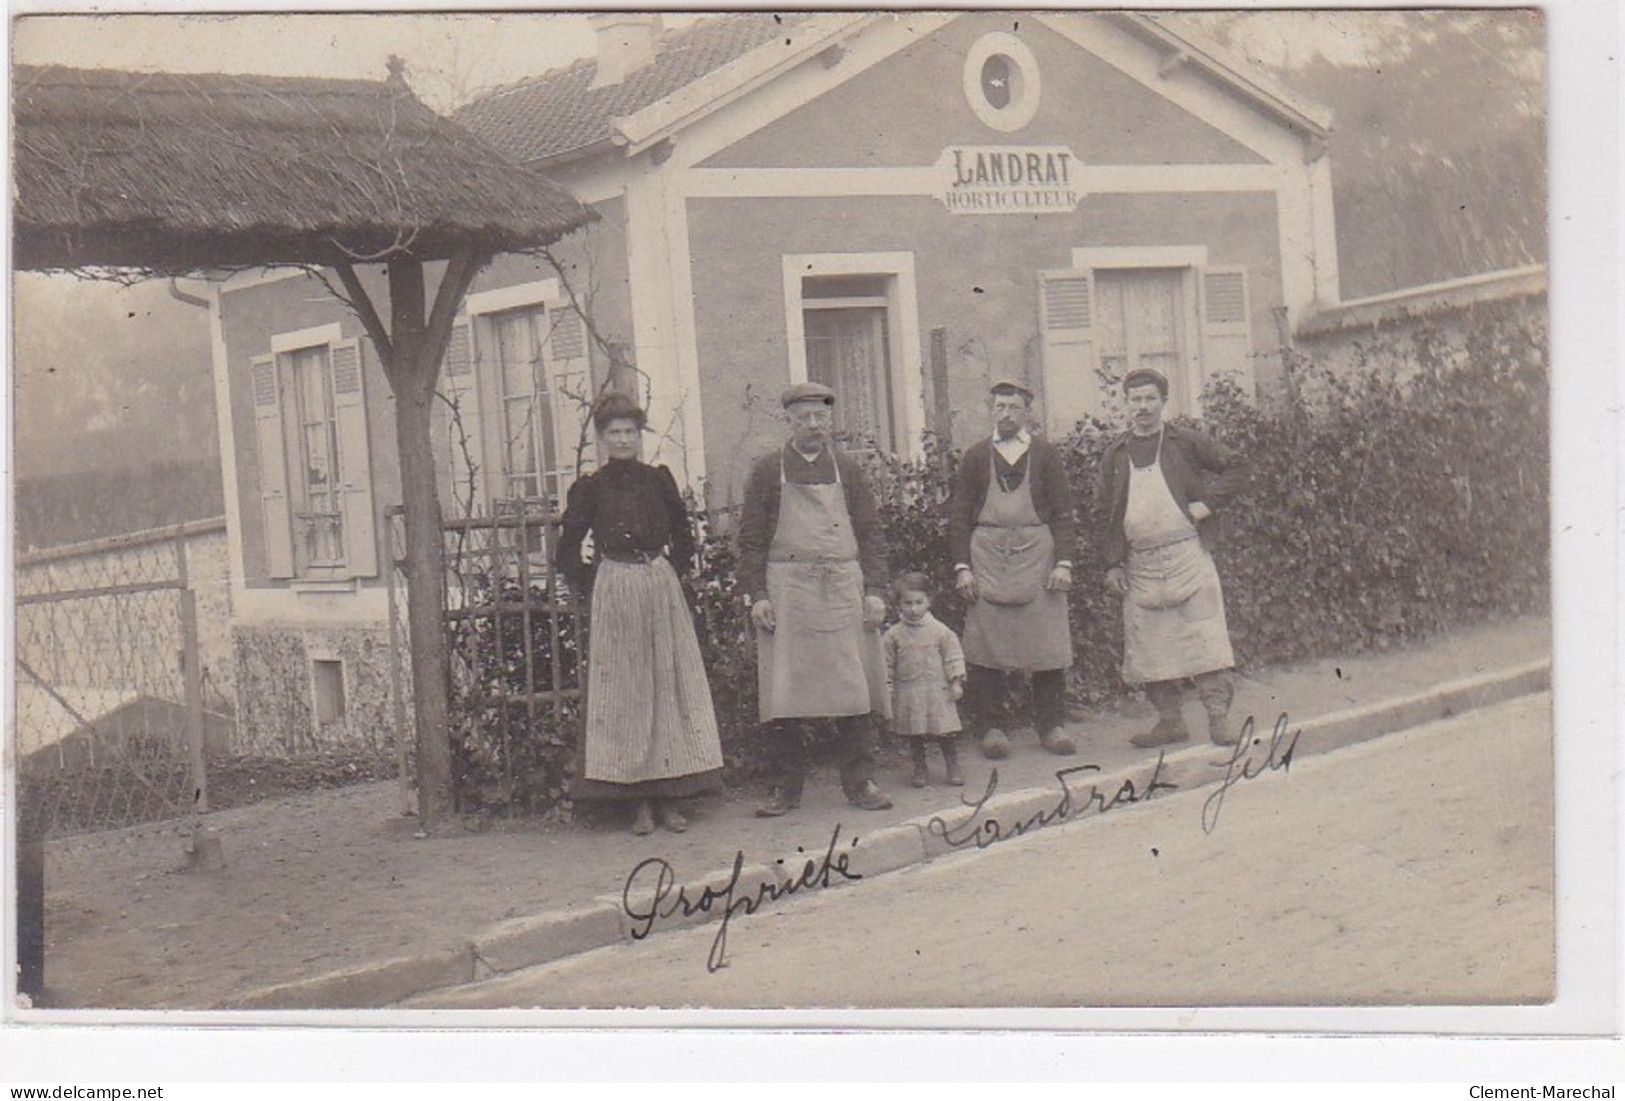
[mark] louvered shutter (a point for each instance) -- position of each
(459, 441)
(571, 382)
(1067, 322)
(1227, 337)
(276, 515)
(355, 459)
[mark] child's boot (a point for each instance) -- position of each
(950, 756)
(916, 747)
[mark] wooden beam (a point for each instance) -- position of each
(361, 303)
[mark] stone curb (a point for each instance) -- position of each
(367, 986)
(526, 942)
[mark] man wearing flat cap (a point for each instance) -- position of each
(1012, 532)
(812, 561)
(1157, 497)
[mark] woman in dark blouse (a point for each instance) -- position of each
(650, 734)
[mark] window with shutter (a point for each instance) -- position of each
(358, 525)
(571, 370)
(1227, 339)
(315, 462)
(276, 515)
(1067, 322)
(521, 368)
(318, 517)
(527, 420)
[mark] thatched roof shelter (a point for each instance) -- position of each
(172, 173)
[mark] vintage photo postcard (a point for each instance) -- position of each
(972, 518)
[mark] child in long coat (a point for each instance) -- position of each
(926, 668)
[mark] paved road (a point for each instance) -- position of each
(1416, 868)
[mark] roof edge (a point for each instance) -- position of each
(1286, 105)
(720, 87)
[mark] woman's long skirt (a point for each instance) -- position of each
(650, 729)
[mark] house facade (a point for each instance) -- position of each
(900, 206)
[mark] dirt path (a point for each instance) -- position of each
(318, 882)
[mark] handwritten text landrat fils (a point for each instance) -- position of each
(653, 894)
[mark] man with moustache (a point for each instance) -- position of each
(812, 561)
(1156, 498)
(1012, 532)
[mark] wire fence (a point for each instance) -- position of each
(109, 689)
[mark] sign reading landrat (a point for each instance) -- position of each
(996, 179)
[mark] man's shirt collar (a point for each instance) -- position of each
(1015, 447)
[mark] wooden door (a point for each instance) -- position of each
(1142, 324)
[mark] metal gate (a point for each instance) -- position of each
(109, 695)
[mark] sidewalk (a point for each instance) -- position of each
(323, 901)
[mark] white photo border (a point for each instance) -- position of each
(1353, 1043)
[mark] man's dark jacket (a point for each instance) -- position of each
(1196, 467)
(1052, 496)
(759, 516)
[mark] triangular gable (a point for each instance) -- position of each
(1176, 63)
(706, 68)
(903, 111)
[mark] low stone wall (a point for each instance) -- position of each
(1400, 331)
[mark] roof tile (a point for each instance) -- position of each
(559, 112)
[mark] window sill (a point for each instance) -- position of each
(323, 585)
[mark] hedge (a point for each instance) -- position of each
(1383, 504)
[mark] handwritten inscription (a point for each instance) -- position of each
(652, 893)
(1072, 803)
(653, 884)
(1245, 764)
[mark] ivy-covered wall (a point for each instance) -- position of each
(276, 714)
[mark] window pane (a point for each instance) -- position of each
(529, 448)
(845, 286)
(544, 417)
(996, 81)
(846, 351)
(317, 474)
(518, 350)
(313, 433)
(517, 430)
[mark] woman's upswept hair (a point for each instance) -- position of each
(616, 405)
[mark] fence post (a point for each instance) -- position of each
(30, 841)
(192, 663)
